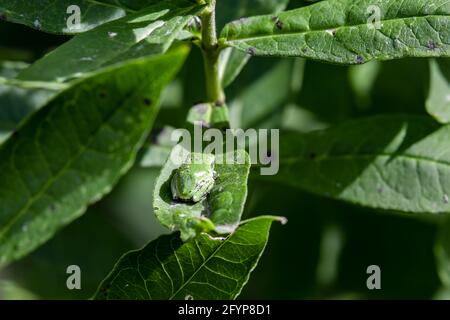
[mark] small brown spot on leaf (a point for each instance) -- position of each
(432, 45)
(219, 103)
(251, 51)
(312, 155)
(147, 101)
(278, 23)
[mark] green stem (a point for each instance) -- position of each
(211, 52)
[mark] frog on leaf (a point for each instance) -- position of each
(194, 180)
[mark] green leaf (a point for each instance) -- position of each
(442, 294)
(205, 268)
(156, 153)
(229, 10)
(10, 290)
(442, 253)
(400, 87)
(16, 99)
(362, 80)
(262, 98)
(344, 32)
(16, 103)
(333, 105)
(51, 16)
(231, 64)
(233, 61)
(9, 69)
(55, 16)
(438, 102)
(209, 115)
(396, 163)
(223, 207)
(150, 31)
(71, 152)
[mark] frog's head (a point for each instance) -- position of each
(183, 183)
(195, 179)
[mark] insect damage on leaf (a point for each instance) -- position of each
(204, 196)
(338, 31)
(278, 23)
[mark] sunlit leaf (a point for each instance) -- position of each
(205, 268)
(71, 152)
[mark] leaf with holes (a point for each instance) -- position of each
(206, 268)
(348, 31)
(71, 152)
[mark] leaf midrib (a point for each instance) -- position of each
(290, 33)
(203, 264)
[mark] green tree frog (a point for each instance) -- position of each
(194, 180)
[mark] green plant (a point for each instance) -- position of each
(98, 100)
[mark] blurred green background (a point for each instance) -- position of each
(323, 251)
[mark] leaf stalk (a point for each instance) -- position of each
(211, 53)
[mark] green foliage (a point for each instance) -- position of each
(393, 163)
(340, 31)
(233, 61)
(206, 268)
(81, 113)
(51, 16)
(66, 156)
(438, 103)
(224, 205)
(148, 32)
(46, 15)
(442, 251)
(19, 99)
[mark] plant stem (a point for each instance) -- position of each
(211, 52)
